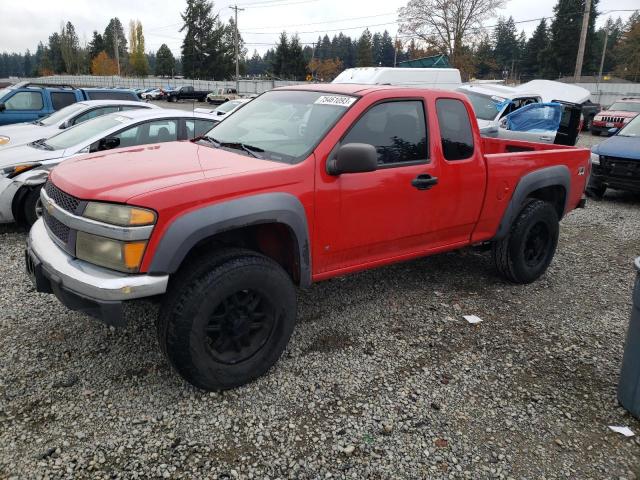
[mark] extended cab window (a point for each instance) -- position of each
(62, 99)
(150, 132)
(455, 129)
(25, 101)
(396, 129)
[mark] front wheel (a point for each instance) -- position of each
(596, 190)
(527, 250)
(228, 320)
(32, 206)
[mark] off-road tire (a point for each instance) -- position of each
(596, 191)
(193, 297)
(510, 253)
(30, 205)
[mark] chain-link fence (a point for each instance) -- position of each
(247, 87)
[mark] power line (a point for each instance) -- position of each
(344, 19)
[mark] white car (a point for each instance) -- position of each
(224, 110)
(24, 169)
(74, 114)
(154, 94)
(492, 102)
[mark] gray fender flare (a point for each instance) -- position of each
(557, 175)
(189, 229)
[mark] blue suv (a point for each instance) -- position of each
(26, 102)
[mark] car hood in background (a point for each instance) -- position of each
(26, 154)
(619, 146)
(22, 133)
(616, 113)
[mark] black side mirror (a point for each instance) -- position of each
(3, 107)
(108, 143)
(66, 124)
(353, 158)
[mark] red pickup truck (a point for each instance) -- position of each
(300, 185)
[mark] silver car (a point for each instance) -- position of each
(74, 114)
(24, 169)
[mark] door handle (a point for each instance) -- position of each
(424, 181)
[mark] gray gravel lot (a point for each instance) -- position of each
(382, 379)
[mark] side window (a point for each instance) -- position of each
(455, 129)
(162, 131)
(197, 128)
(25, 101)
(102, 95)
(96, 112)
(131, 107)
(397, 129)
(62, 99)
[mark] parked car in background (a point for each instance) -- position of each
(224, 230)
(74, 114)
(152, 94)
(616, 116)
(186, 92)
(24, 169)
(615, 163)
(223, 94)
(589, 111)
(141, 91)
(224, 110)
(28, 101)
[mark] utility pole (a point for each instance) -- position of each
(604, 50)
(115, 46)
(583, 41)
(235, 41)
(395, 51)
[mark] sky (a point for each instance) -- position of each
(24, 24)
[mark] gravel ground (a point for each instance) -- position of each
(382, 379)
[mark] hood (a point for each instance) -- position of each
(26, 154)
(122, 174)
(619, 146)
(550, 91)
(616, 113)
(22, 133)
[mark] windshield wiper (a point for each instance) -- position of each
(211, 140)
(250, 149)
(41, 144)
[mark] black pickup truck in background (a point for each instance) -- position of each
(589, 110)
(186, 92)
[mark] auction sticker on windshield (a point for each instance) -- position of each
(338, 100)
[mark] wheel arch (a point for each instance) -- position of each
(274, 224)
(550, 184)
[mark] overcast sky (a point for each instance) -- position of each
(23, 24)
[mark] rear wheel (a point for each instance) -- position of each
(527, 250)
(228, 320)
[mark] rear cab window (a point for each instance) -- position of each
(62, 99)
(456, 134)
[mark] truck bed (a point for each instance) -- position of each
(508, 161)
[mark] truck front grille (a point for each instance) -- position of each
(610, 119)
(64, 200)
(59, 229)
(620, 167)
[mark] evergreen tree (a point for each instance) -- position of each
(485, 63)
(534, 60)
(565, 37)
(297, 67)
(388, 51)
(27, 66)
(70, 48)
(376, 49)
(137, 58)
(165, 62)
(55, 53)
(96, 45)
(506, 44)
(628, 50)
(364, 54)
(281, 56)
(114, 35)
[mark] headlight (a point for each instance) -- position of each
(16, 170)
(119, 214)
(4, 140)
(106, 252)
(595, 159)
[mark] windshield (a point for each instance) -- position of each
(62, 114)
(85, 131)
(228, 106)
(632, 129)
(486, 107)
(283, 125)
(626, 106)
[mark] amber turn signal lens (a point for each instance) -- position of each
(139, 216)
(133, 253)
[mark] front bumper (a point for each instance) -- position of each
(599, 176)
(81, 286)
(602, 127)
